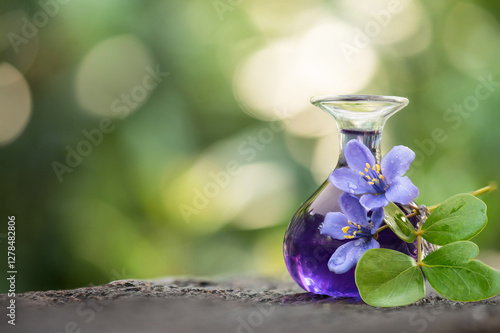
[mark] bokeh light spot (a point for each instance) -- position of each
(288, 72)
(388, 21)
(111, 80)
(15, 47)
(15, 103)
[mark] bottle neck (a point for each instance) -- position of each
(360, 117)
(370, 138)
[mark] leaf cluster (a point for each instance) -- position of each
(387, 278)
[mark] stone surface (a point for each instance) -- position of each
(240, 305)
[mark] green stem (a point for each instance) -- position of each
(492, 187)
(419, 243)
(415, 207)
(382, 228)
(419, 248)
(415, 213)
(375, 236)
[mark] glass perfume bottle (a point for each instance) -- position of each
(306, 251)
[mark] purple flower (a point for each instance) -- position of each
(379, 183)
(353, 224)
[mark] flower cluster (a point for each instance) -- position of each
(378, 184)
(361, 217)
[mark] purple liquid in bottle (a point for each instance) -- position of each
(307, 252)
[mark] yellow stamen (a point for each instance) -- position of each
(367, 177)
(378, 168)
(367, 165)
(344, 229)
(349, 236)
(361, 173)
(366, 170)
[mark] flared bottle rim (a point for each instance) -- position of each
(361, 112)
(359, 98)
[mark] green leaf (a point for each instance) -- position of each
(452, 254)
(452, 272)
(459, 218)
(397, 221)
(389, 278)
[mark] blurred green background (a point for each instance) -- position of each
(114, 172)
